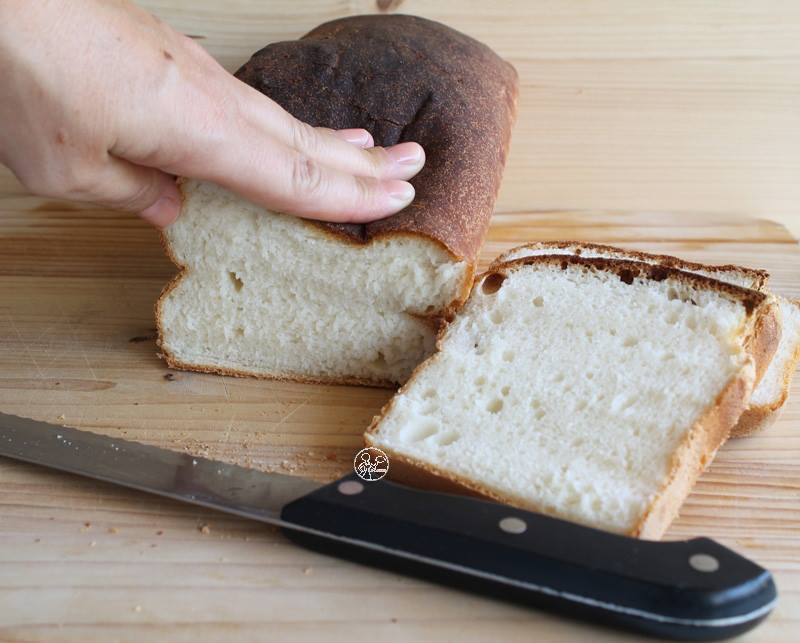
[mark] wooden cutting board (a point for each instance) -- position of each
(85, 561)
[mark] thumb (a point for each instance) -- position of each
(149, 192)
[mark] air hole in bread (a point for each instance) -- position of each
(495, 406)
(559, 377)
(238, 284)
(429, 309)
(508, 356)
(497, 317)
(538, 301)
(626, 276)
(480, 380)
(672, 294)
(422, 431)
(379, 360)
(673, 317)
(630, 342)
(535, 403)
(540, 413)
(447, 438)
(430, 408)
(505, 390)
(492, 283)
(580, 405)
(431, 392)
(239, 331)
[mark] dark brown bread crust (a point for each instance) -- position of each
(759, 277)
(627, 271)
(405, 78)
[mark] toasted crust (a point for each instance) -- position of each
(405, 78)
(763, 343)
(628, 270)
(759, 277)
(704, 438)
(758, 417)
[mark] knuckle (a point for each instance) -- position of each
(378, 161)
(80, 181)
(307, 177)
(304, 138)
(364, 197)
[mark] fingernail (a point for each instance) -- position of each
(406, 154)
(360, 137)
(400, 192)
(163, 212)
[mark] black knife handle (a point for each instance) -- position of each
(689, 590)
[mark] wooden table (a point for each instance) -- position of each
(646, 113)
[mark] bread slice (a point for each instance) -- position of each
(595, 390)
(770, 333)
(268, 295)
(770, 395)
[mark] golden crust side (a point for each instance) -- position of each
(765, 338)
(756, 419)
(758, 276)
(696, 452)
(761, 416)
(692, 457)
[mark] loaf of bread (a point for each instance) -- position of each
(776, 345)
(269, 295)
(595, 390)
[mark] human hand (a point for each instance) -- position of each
(100, 101)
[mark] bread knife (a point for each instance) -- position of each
(689, 590)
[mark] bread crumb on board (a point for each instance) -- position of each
(204, 529)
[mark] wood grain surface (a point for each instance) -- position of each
(641, 124)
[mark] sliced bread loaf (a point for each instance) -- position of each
(595, 390)
(265, 294)
(773, 345)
